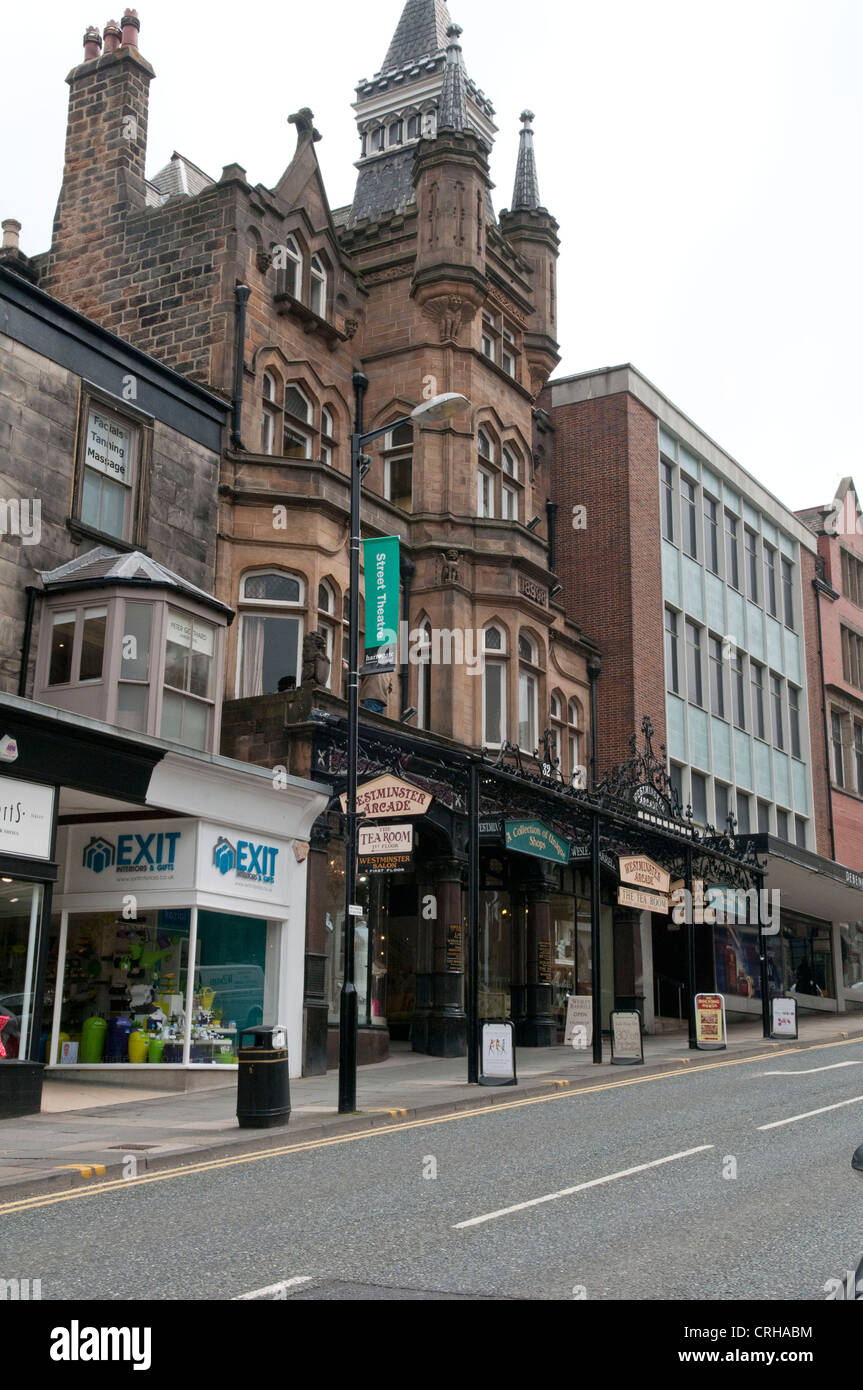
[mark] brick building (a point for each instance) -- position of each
(708, 623)
(271, 299)
(838, 634)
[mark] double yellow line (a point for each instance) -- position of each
(214, 1165)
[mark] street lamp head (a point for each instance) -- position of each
(441, 408)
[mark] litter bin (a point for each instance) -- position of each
(263, 1082)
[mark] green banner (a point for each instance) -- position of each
(381, 560)
(533, 837)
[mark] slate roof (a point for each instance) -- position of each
(179, 175)
(104, 563)
(421, 31)
(453, 102)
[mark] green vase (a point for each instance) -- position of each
(155, 1050)
(93, 1039)
(138, 1046)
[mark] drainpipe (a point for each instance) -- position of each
(817, 584)
(408, 569)
(241, 294)
(551, 522)
(31, 593)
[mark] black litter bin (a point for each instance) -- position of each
(263, 1082)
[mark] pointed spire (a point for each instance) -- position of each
(453, 102)
(526, 191)
(421, 33)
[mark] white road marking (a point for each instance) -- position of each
(810, 1071)
(855, 1100)
(580, 1187)
(273, 1290)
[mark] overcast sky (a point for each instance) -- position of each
(703, 161)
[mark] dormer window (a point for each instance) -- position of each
(292, 268)
(318, 288)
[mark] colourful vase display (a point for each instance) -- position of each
(155, 1050)
(93, 1035)
(139, 1045)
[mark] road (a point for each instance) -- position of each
(727, 1179)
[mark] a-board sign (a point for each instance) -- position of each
(627, 1048)
(454, 949)
(497, 1055)
(543, 962)
(783, 1018)
(579, 1021)
(710, 1021)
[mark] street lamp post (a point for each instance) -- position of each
(594, 671)
(434, 411)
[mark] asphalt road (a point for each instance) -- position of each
(655, 1188)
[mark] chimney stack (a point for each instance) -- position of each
(131, 29)
(92, 43)
(113, 36)
(11, 234)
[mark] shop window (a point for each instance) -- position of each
(189, 680)
(113, 455)
(318, 287)
(493, 687)
(807, 956)
(851, 939)
(271, 626)
(528, 693)
(398, 467)
(20, 909)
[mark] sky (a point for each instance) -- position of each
(703, 161)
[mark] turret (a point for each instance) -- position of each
(531, 230)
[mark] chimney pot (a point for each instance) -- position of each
(113, 36)
(131, 29)
(11, 233)
(92, 43)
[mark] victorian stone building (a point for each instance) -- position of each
(271, 300)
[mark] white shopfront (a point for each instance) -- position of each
(171, 936)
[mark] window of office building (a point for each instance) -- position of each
(667, 500)
(750, 541)
(717, 678)
(794, 720)
(688, 518)
(756, 690)
(782, 824)
(732, 562)
(763, 818)
(788, 592)
(838, 750)
(672, 664)
(720, 795)
(744, 821)
(738, 696)
(711, 534)
(778, 714)
(852, 577)
(852, 657)
(699, 798)
(858, 755)
(694, 680)
(800, 832)
(770, 579)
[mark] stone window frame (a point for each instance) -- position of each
(851, 568)
(493, 465)
(331, 625)
(252, 608)
(497, 656)
(142, 427)
(531, 671)
(503, 337)
(392, 453)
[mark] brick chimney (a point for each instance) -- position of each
(103, 177)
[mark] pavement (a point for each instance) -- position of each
(74, 1143)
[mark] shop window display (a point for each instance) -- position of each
(371, 942)
(125, 987)
(851, 938)
(20, 905)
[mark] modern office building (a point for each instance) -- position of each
(708, 623)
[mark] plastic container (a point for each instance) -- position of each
(93, 1036)
(139, 1045)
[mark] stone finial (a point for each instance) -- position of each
(11, 234)
(131, 29)
(304, 120)
(92, 43)
(113, 36)
(526, 191)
